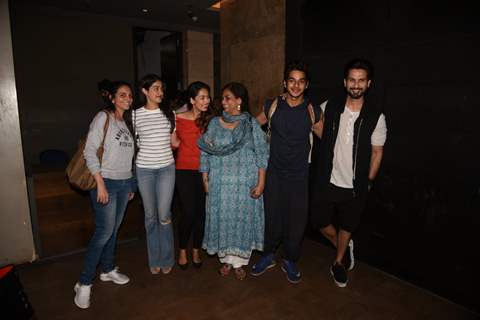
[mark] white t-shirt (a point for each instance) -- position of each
(342, 171)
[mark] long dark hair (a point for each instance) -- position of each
(145, 83)
(180, 100)
(239, 91)
(205, 116)
(112, 90)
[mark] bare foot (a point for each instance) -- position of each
(182, 257)
(240, 273)
(225, 270)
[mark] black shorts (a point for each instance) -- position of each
(332, 200)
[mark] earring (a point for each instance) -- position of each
(239, 108)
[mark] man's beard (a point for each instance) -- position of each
(356, 94)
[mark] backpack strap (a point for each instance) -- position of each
(269, 115)
(311, 112)
(271, 111)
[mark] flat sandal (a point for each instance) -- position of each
(225, 269)
(155, 270)
(240, 273)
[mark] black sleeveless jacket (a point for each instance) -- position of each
(362, 147)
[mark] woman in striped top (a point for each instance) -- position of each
(188, 181)
(155, 167)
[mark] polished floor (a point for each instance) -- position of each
(204, 294)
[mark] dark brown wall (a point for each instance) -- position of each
(253, 46)
(422, 219)
(59, 58)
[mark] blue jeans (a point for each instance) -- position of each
(156, 188)
(108, 218)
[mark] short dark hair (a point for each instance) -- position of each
(296, 65)
(239, 91)
(359, 63)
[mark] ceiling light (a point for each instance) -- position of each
(144, 10)
(191, 14)
(217, 5)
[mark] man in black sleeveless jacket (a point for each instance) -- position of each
(292, 119)
(350, 154)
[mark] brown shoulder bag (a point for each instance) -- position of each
(77, 171)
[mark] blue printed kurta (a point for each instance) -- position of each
(234, 223)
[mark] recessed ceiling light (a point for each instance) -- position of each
(144, 10)
(217, 5)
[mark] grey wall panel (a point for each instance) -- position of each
(16, 240)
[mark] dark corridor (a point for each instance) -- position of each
(422, 220)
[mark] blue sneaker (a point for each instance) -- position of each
(290, 268)
(266, 262)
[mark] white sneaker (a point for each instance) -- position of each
(115, 276)
(82, 295)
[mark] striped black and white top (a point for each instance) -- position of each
(153, 131)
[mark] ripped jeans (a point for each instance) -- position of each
(156, 188)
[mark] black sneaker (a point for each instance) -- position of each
(339, 275)
(348, 258)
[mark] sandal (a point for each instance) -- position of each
(240, 273)
(225, 270)
(166, 270)
(155, 270)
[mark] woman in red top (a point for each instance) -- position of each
(188, 181)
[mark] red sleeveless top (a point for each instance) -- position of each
(188, 153)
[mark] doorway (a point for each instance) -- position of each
(159, 52)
